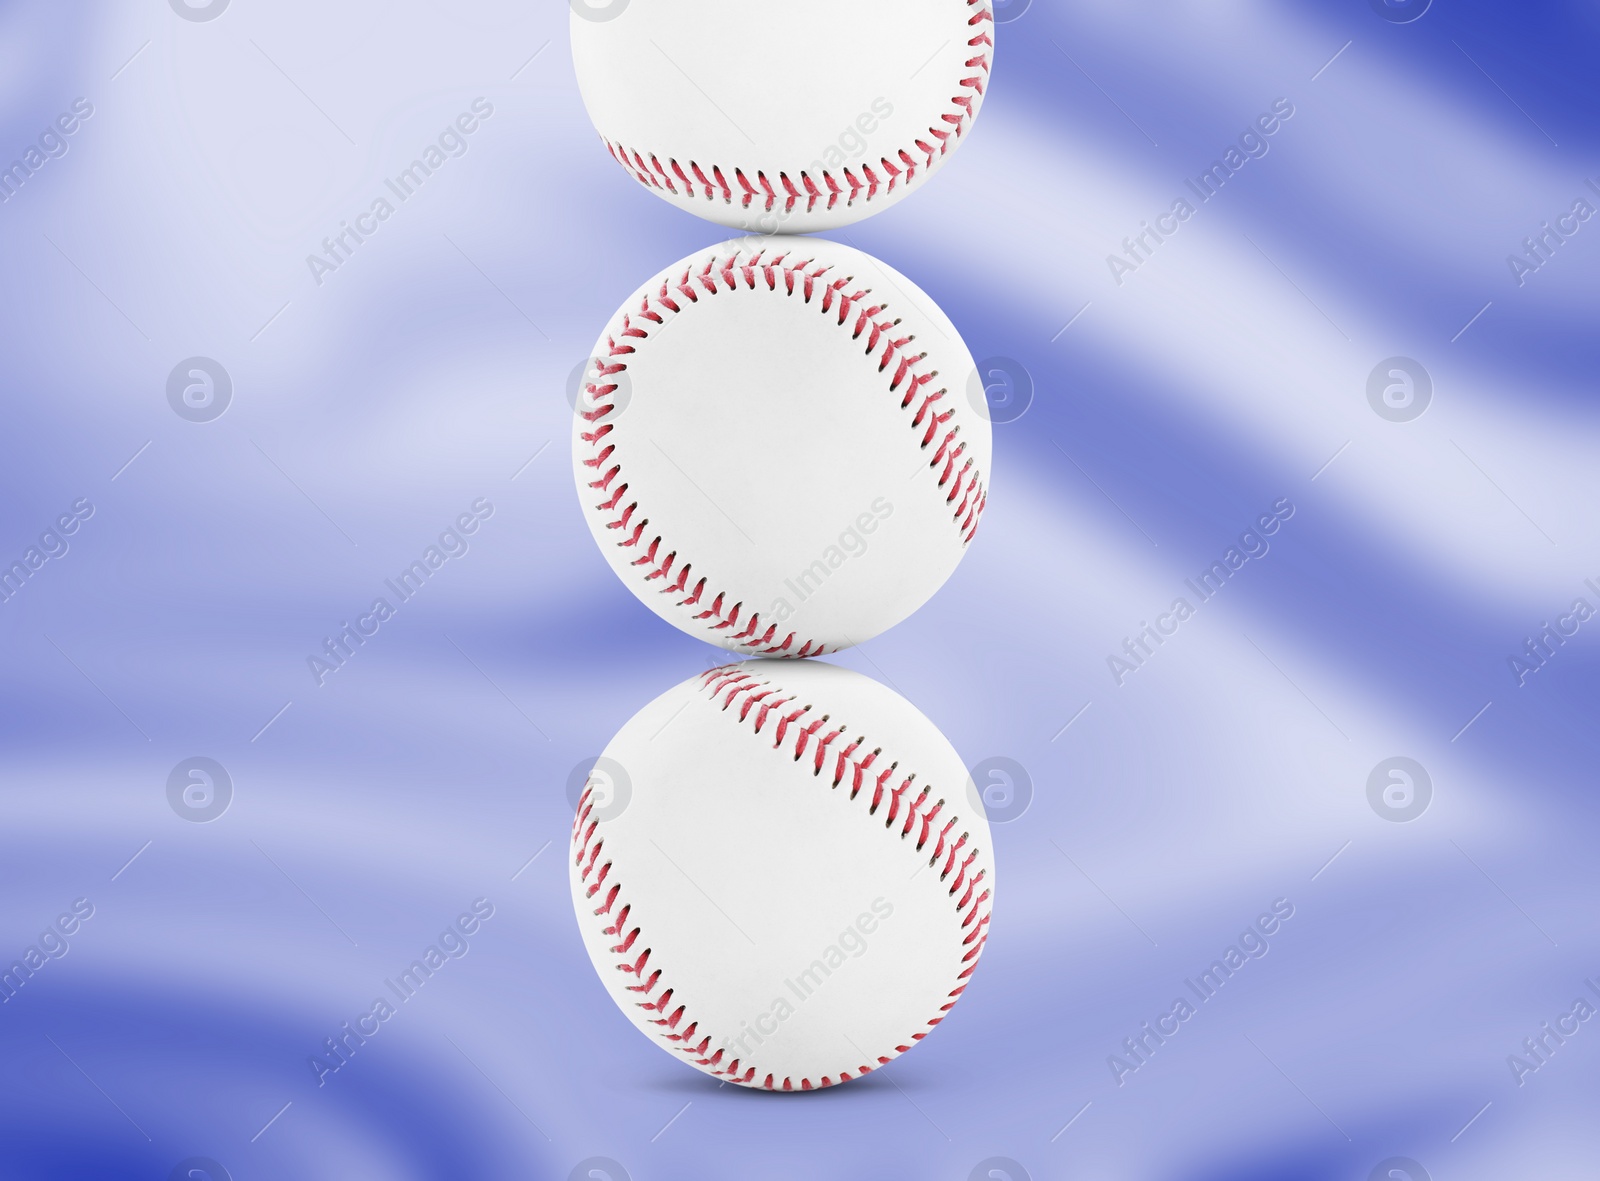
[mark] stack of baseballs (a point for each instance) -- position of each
(781, 874)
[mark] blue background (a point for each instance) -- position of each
(428, 371)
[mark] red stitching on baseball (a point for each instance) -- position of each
(838, 298)
(731, 682)
(900, 167)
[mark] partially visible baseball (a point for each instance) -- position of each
(788, 118)
(782, 879)
(775, 448)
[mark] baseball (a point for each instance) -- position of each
(776, 447)
(782, 878)
(782, 117)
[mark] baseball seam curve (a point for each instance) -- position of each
(899, 167)
(965, 481)
(729, 683)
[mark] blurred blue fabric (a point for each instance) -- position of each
(1168, 405)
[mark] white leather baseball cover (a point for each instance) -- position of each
(782, 117)
(777, 447)
(779, 874)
